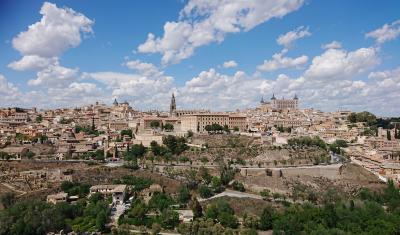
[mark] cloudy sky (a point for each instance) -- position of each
(219, 55)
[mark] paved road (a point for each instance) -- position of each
(298, 167)
(116, 214)
(114, 164)
(231, 193)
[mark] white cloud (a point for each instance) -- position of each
(340, 64)
(387, 32)
(32, 62)
(73, 95)
(75, 91)
(41, 45)
(331, 82)
(58, 30)
(230, 64)
(217, 91)
(278, 61)
(55, 76)
(203, 22)
(142, 91)
(9, 93)
(332, 45)
(290, 37)
(146, 69)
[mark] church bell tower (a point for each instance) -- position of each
(172, 106)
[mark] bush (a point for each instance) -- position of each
(223, 212)
(183, 194)
(204, 191)
(138, 183)
(175, 145)
(127, 132)
(307, 141)
(160, 201)
(267, 218)
(238, 186)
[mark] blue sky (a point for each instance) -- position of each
(80, 51)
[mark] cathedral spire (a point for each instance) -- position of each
(262, 100)
(172, 106)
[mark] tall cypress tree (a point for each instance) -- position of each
(389, 137)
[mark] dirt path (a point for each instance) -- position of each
(9, 186)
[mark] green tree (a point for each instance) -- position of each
(223, 212)
(138, 183)
(265, 193)
(136, 151)
(168, 127)
(155, 124)
(29, 154)
(388, 135)
(352, 118)
(160, 201)
(183, 194)
(238, 186)
(127, 132)
(169, 219)
(267, 218)
(196, 208)
(184, 159)
(251, 221)
(205, 191)
(101, 220)
(138, 212)
(39, 118)
(216, 184)
(175, 145)
(228, 220)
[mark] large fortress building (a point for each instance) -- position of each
(280, 104)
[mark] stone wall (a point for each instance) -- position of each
(328, 171)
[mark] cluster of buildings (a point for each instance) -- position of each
(78, 132)
(75, 133)
(379, 154)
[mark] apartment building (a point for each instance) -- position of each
(198, 122)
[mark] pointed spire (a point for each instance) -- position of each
(115, 102)
(172, 107)
(262, 100)
(273, 96)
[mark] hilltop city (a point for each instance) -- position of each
(184, 159)
(199, 117)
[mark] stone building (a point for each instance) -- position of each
(57, 198)
(198, 122)
(279, 104)
(382, 143)
(117, 191)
